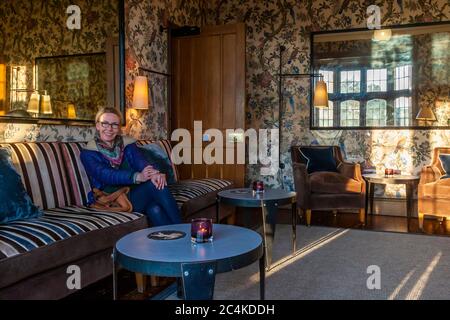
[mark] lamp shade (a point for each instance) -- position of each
(46, 104)
(426, 113)
(33, 104)
(320, 95)
(382, 35)
(71, 112)
(140, 94)
(2, 88)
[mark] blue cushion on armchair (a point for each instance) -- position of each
(445, 162)
(15, 203)
(319, 159)
(154, 154)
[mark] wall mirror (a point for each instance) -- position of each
(52, 72)
(398, 77)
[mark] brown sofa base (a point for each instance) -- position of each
(52, 284)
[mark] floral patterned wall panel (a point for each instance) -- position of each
(38, 28)
(273, 23)
(146, 46)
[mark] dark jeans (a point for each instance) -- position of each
(158, 205)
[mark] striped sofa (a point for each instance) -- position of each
(36, 253)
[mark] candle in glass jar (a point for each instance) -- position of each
(201, 230)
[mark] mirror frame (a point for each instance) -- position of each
(75, 122)
(311, 91)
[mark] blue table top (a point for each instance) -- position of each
(138, 253)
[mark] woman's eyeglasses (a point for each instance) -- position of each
(107, 124)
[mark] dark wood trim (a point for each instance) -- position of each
(122, 104)
(383, 128)
(49, 121)
(398, 26)
(70, 55)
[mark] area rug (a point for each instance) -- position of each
(336, 263)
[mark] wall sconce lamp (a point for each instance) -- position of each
(382, 35)
(71, 111)
(39, 103)
(141, 94)
(426, 114)
(2, 88)
(319, 96)
(141, 98)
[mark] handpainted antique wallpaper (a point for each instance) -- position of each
(288, 22)
(146, 46)
(31, 29)
(269, 24)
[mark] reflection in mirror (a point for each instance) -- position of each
(75, 84)
(398, 77)
(52, 72)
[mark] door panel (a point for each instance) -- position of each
(209, 86)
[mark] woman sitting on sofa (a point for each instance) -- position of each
(113, 161)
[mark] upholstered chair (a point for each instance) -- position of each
(434, 192)
(324, 190)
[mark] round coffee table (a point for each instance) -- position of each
(195, 263)
(409, 181)
(269, 201)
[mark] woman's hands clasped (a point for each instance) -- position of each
(156, 177)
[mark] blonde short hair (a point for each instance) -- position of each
(104, 110)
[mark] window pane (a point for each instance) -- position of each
(376, 113)
(402, 111)
(326, 116)
(402, 76)
(329, 80)
(350, 81)
(376, 80)
(350, 113)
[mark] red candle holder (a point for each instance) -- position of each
(258, 186)
(201, 230)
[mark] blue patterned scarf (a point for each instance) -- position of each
(114, 154)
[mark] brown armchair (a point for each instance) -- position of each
(334, 191)
(434, 193)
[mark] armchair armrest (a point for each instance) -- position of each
(351, 170)
(302, 184)
(429, 174)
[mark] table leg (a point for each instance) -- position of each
(262, 278)
(294, 227)
(115, 266)
(217, 208)
(371, 196)
(269, 216)
(409, 200)
(366, 204)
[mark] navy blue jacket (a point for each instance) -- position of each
(100, 172)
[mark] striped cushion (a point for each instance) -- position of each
(185, 190)
(77, 177)
(167, 147)
(41, 167)
(56, 224)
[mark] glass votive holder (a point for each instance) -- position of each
(201, 230)
(258, 186)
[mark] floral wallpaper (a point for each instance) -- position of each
(38, 28)
(146, 46)
(270, 23)
(288, 22)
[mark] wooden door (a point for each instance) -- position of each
(209, 86)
